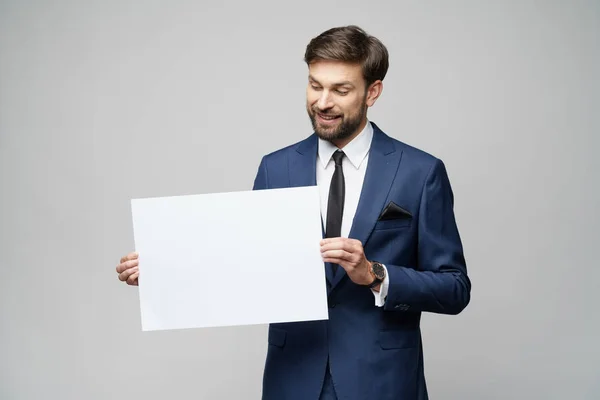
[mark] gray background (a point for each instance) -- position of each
(103, 101)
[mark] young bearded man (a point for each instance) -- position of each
(391, 249)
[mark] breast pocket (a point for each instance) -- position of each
(396, 223)
(393, 216)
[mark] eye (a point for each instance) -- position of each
(315, 87)
(342, 92)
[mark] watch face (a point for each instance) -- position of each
(378, 270)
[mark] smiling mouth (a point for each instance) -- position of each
(328, 118)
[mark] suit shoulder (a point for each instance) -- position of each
(283, 153)
(420, 164)
(419, 156)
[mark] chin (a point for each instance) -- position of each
(329, 136)
(326, 132)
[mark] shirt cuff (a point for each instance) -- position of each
(383, 289)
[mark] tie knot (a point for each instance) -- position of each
(337, 157)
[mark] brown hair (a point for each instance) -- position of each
(350, 44)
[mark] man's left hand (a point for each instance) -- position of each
(349, 254)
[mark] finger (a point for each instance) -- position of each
(342, 263)
(127, 273)
(339, 254)
(133, 278)
(332, 243)
(127, 265)
(352, 259)
(334, 260)
(131, 256)
(345, 245)
(332, 240)
(339, 239)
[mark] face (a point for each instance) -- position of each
(337, 100)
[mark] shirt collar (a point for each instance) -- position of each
(355, 151)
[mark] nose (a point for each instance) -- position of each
(324, 101)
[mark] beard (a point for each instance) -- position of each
(348, 126)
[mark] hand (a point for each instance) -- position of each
(128, 269)
(349, 254)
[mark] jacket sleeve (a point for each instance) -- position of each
(439, 283)
(261, 179)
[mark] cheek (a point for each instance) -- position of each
(311, 98)
(350, 106)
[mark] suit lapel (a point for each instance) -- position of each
(303, 163)
(383, 163)
(303, 172)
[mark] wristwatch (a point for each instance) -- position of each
(378, 271)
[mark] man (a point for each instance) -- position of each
(391, 249)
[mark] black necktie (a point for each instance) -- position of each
(335, 203)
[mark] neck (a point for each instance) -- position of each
(341, 143)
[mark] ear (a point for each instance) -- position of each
(373, 92)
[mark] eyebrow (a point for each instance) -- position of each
(344, 83)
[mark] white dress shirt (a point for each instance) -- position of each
(354, 165)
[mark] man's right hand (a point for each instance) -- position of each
(128, 269)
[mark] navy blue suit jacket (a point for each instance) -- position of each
(374, 352)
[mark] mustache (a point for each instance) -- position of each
(327, 113)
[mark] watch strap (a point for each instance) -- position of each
(377, 280)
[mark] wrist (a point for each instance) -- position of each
(377, 287)
(377, 273)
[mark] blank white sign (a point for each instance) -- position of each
(228, 259)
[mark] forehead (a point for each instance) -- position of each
(335, 72)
